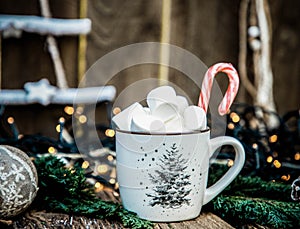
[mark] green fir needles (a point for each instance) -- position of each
(238, 211)
(251, 200)
(66, 190)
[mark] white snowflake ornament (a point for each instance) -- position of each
(40, 91)
(18, 181)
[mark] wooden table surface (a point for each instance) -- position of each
(42, 220)
(205, 220)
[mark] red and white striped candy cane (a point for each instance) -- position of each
(231, 90)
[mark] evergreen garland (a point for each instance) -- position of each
(255, 187)
(66, 191)
(239, 210)
(251, 200)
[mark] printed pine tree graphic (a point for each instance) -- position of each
(172, 182)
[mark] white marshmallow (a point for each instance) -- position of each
(182, 103)
(146, 123)
(160, 95)
(123, 119)
(147, 110)
(194, 118)
(165, 111)
(175, 125)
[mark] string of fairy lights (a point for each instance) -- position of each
(273, 154)
(99, 163)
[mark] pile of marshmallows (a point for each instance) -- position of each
(166, 113)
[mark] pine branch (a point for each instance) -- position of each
(256, 187)
(240, 211)
(251, 186)
(251, 200)
(66, 190)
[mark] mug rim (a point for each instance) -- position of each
(160, 134)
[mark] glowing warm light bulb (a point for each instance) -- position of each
(51, 150)
(116, 110)
(20, 136)
(82, 119)
(285, 177)
(297, 156)
(234, 117)
(277, 164)
(85, 165)
(112, 181)
(273, 138)
(69, 110)
(97, 184)
(10, 120)
(269, 159)
(98, 187)
(110, 158)
(254, 146)
(230, 126)
(57, 128)
(232, 114)
(102, 169)
(230, 163)
(61, 120)
(110, 133)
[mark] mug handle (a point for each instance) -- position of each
(228, 177)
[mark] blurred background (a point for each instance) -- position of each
(208, 29)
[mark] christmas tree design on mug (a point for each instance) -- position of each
(171, 181)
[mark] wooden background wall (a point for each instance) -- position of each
(208, 29)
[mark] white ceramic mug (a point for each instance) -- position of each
(163, 177)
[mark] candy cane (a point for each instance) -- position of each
(231, 90)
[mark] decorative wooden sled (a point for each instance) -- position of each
(43, 93)
(45, 26)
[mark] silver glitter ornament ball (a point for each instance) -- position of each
(18, 181)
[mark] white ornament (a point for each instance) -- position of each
(18, 181)
(255, 44)
(253, 31)
(40, 91)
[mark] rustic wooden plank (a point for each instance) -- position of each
(161, 226)
(57, 220)
(205, 221)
